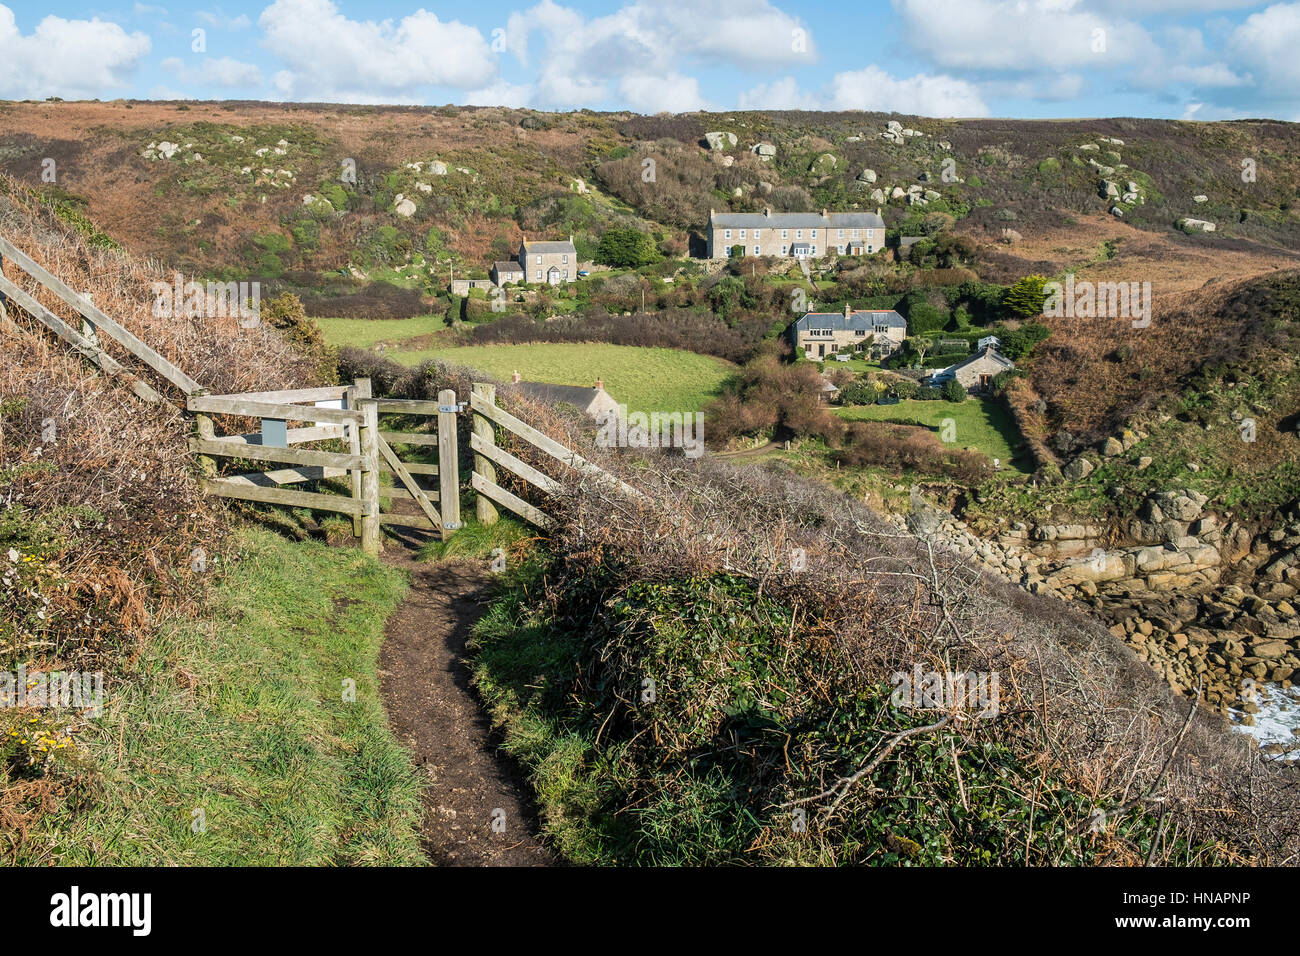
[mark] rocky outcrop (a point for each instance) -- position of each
(1197, 596)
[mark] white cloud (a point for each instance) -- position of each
(68, 58)
(874, 90)
(221, 20)
(330, 57)
(1266, 43)
(214, 71)
(1020, 35)
(649, 93)
(641, 50)
(501, 93)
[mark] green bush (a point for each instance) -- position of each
(953, 391)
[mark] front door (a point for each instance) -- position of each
(553, 276)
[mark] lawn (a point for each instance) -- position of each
(980, 424)
(365, 333)
(645, 379)
(232, 742)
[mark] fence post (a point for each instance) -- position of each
(203, 425)
(487, 511)
(359, 389)
(448, 464)
(370, 477)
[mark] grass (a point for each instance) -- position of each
(241, 715)
(366, 333)
(980, 424)
(645, 379)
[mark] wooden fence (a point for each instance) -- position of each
(370, 453)
(488, 416)
(350, 415)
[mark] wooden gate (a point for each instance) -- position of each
(351, 415)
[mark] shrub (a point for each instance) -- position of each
(626, 248)
(953, 391)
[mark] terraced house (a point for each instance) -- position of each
(796, 235)
(549, 262)
(878, 332)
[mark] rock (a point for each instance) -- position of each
(1195, 225)
(720, 140)
(1200, 198)
(867, 176)
(765, 151)
(1078, 469)
(1144, 463)
(878, 196)
(403, 207)
(728, 160)
(823, 165)
(944, 144)
(426, 188)
(1108, 190)
(1111, 447)
(765, 188)
(897, 193)
(437, 169)
(1010, 236)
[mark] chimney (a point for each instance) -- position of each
(877, 210)
(848, 310)
(825, 214)
(767, 211)
(515, 379)
(600, 384)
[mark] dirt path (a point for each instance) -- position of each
(434, 713)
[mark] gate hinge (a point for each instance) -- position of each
(452, 409)
(452, 525)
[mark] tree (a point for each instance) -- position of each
(1024, 300)
(626, 248)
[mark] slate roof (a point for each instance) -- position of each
(866, 319)
(991, 352)
(510, 266)
(549, 248)
(796, 220)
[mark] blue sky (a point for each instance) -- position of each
(1207, 59)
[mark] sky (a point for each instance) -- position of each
(1177, 59)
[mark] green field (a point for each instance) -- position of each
(234, 740)
(364, 333)
(645, 379)
(980, 424)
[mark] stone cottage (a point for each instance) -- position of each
(506, 273)
(977, 372)
(799, 235)
(879, 332)
(548, 262)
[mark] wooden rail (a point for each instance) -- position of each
(84, 307)
(488, 455)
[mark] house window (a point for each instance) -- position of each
(727, 234)
(854, 234)
(742, 234)
(539, 260)
(566, 273)
(756, 233)
(756, 252)
(798, 233)
(564, 258)
(840, 247)
(870, 249)
(539, 273)
(882, 328)
(859, 332)
(785, 250)
(812, 251)
(785, 233)
(841, 236)
(814, 234)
